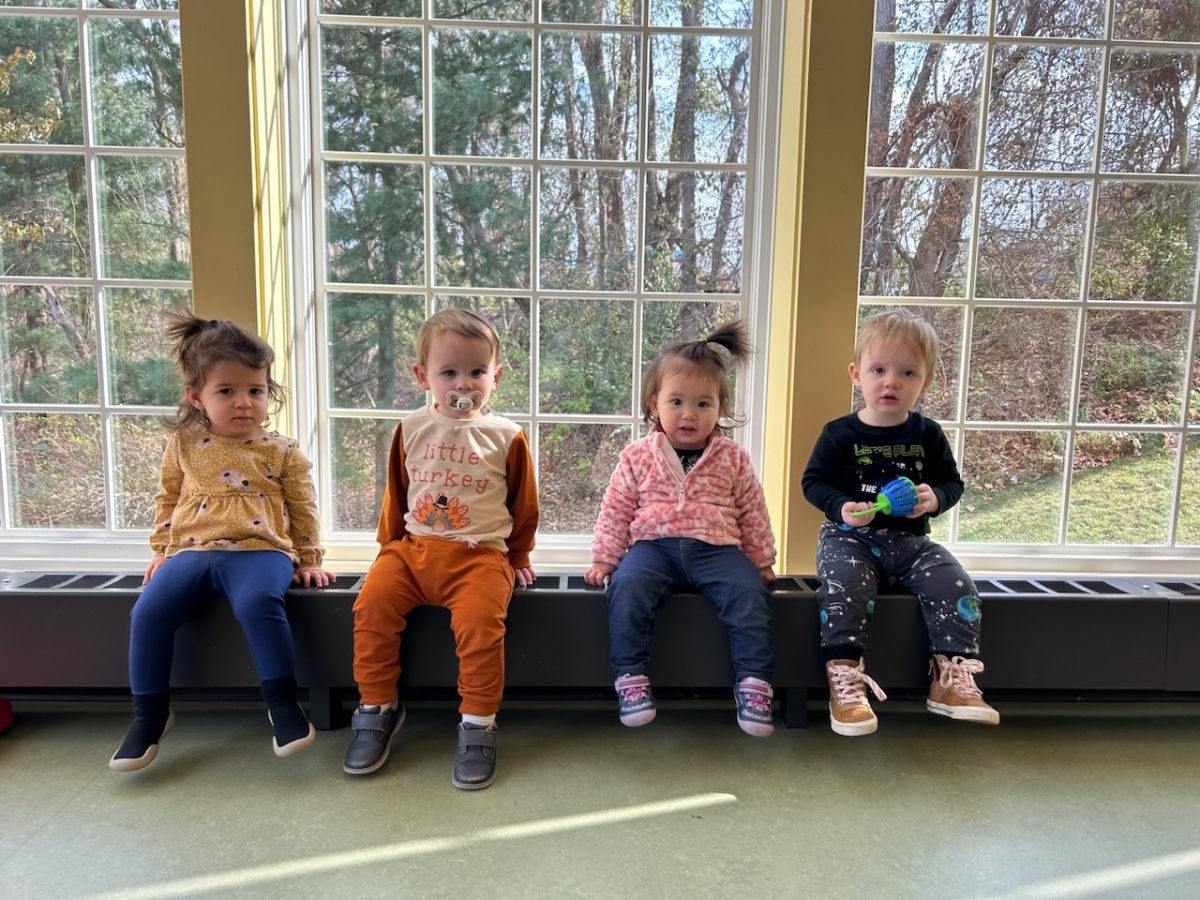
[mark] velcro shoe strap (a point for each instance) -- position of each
(485, 737)
(371, 721)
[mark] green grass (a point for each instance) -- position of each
(1126, 502)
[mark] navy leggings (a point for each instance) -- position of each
(255, 582)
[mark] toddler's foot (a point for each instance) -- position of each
(475, 767)
(152, 719)
(850, 712)
(954, 693)
(635, 700)
(374, 728)
(293, 731)
(753, 696)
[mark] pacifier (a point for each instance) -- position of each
(464, 402)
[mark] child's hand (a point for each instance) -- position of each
(598, 574)
(312, 576)
(525, 577)
(155, 565)
(768, 574)
(927, 502)
(856, 521)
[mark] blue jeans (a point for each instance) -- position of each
(254, 581)
(652, 570)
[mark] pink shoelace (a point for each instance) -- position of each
(850, 684)
(958, 674)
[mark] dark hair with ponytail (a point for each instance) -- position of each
(709, 357)
(199, 344)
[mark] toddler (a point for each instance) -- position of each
(855, 456)
(685, 508)
(235, 515)
(457, 525)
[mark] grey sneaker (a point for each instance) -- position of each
(753, 698)
(635, 700)
(374, 729)
(475, 767)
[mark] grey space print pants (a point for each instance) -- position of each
(854, 564)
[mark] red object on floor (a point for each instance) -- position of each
(5, 714)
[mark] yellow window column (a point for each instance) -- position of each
(818, 231)
(237, 169)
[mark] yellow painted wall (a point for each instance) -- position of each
(814, 292)
(237, 169)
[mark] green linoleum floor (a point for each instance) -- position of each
(1059, 801)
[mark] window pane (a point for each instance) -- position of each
(141, 371)
(397, 8)
(589, 96)
(40, 3)
(932, 16)
(1042, 113)
(374, 223)
(1014, 482)
(1076, 19)
(714, 13)
(131, 4)
(137, 91)
(1157, 20)
(482, 92)
(699, 95)
(372, 89)
(1109, 469)
(1145, 242)
(358, 462)
(915, 232)
(575, 463)
(55, 470)
(586, 356)
(1187, 529)
(482, 219)
(1151, 120)
(144, 217)
(592, 12)
(371, 350)
(45, 229)
(494, 10)
(1031, 235)
(1133, 367)
(941, 400)
(43, 96)
(49, 337)
(1194, 397)
(589, 228)
(510, 317)
(1039, 388)
(924, 104)
(138, 444)
(694, 231)
(665, 322)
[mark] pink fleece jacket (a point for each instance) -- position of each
(720, 501)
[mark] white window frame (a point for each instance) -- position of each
(553, 552)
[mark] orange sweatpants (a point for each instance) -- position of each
(474, 583)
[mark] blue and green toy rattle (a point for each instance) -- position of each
(898, 498)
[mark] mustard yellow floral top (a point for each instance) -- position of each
(231, 494)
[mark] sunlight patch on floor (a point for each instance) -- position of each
(252, 875)
(1105, 881)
